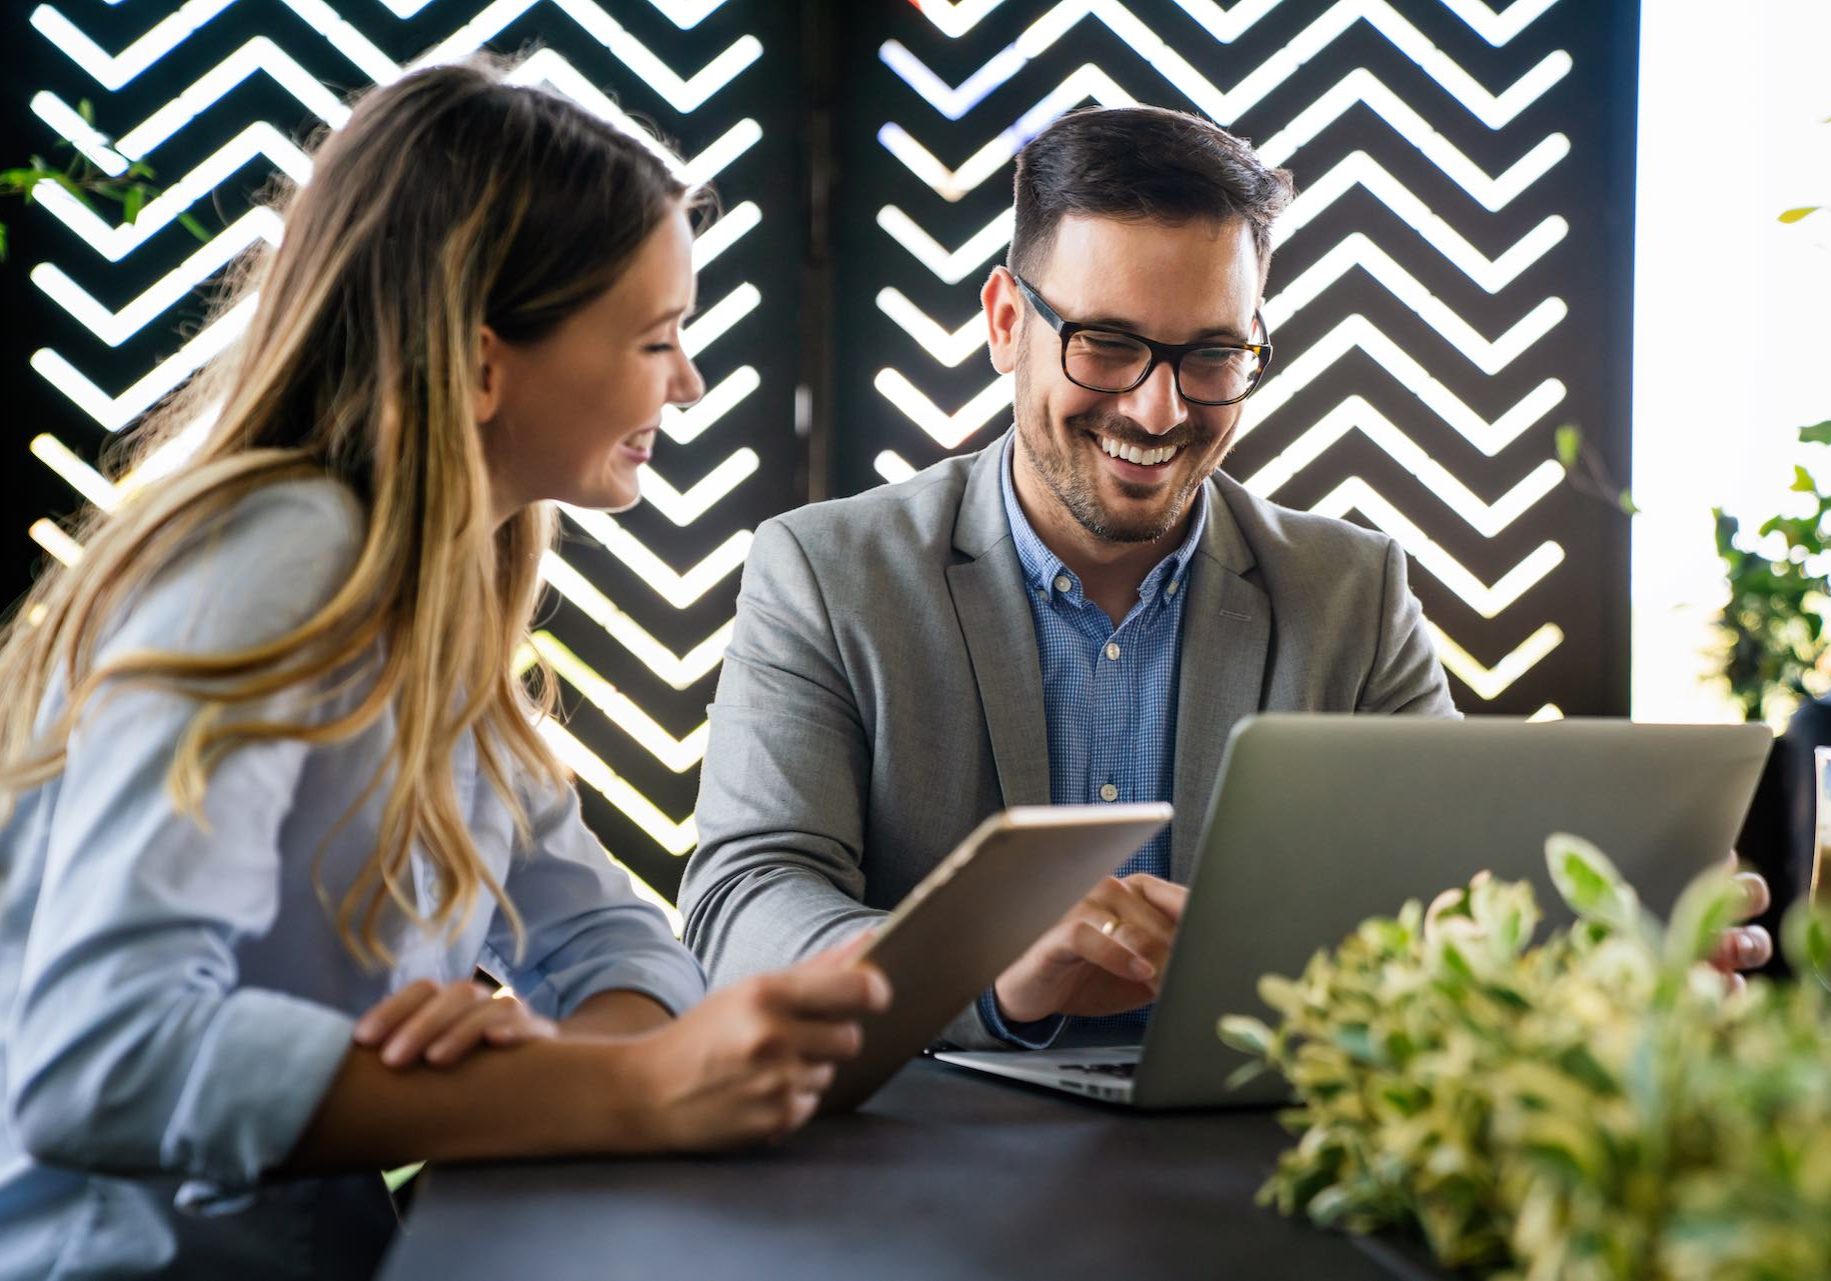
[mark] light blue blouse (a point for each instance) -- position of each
(176, 1000)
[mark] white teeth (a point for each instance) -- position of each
(1143, 457)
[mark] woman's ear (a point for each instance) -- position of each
(486, 396)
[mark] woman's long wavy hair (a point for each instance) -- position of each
(449, 200)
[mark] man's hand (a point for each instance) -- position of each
(1104, 957)
(1745, 947)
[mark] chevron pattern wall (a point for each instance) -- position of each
(1451, 282)
(1451, 285)
(214, 94)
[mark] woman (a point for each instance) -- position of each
(270, 770)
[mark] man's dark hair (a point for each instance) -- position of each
(1141, 164)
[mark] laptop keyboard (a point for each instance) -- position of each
(1122, 1070)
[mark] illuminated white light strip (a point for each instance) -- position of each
(724, 233)
(259, 54)
(168, 457)
(952, 102)
(87, 139)
(1358, 331)
(1357, 87)
(114, 328)
(675, 838)
(115, 412)
(347, 40)
(955, 18)
(1494, 111)
(1360, 168)
(1549, 712)
(547, 65)
(1226, 106)
(679, 755)
(686, 14)
(679, 671)
(684, 509)
(1491, 682)
(948, 347)
(678, 590)
(1362, 86)
(951, 266)
(1497, 28)
(1356, 494)
(1228, 25)
(734, 142)
(1355, 413)
(1356, 250)
(79, 475)
(892, 466)
(262, 138)
(113, 71)
(947, 430)
(55, 541)
(682, 95)
(1086, 81)
(116, 242)
(684, 426)
(711, 325)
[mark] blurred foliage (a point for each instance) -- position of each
(1773, 623)
(1597, 1107)
(131, 190)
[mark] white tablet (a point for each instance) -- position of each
(995, 895)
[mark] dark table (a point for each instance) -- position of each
(942, 1175)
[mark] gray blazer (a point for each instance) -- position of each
(882, 693)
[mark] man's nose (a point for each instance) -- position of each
(1155, 404)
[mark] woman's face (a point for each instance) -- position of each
(572, 416)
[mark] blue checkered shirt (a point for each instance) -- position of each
(1109, 700)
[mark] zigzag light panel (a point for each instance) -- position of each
(1436, 316)
(644, 602)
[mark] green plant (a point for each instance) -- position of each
(1773, 623)
(1598, 1106)
(79, 176)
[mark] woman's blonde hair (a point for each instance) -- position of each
(449, 200)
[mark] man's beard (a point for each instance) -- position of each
(1072, 477)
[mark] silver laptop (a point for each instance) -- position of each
(1318, 822)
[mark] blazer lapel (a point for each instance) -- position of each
(1226, 632)
(989, 598)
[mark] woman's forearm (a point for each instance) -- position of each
(557, 1097)
(617, 1013)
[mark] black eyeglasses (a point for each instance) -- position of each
(1115, 361)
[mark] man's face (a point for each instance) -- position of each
(1172, 283)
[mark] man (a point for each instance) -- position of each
(1077, 614)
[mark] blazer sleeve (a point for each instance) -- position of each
(778, 873)
(133, 1046)
(1406, 676)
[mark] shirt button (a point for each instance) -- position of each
(1108, 792)
(1171, 589)
(1063, 583)
(1112, 652)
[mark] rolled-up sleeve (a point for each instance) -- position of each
(585, 928)
(132, 1046)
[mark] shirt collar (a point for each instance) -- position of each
(1043, 569)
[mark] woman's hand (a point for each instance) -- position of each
(442, 1024)
(750, 1062)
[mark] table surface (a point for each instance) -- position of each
(944, 1174)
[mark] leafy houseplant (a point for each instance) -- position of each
(78, 175)
(1773, 624)
(1597, 1106)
